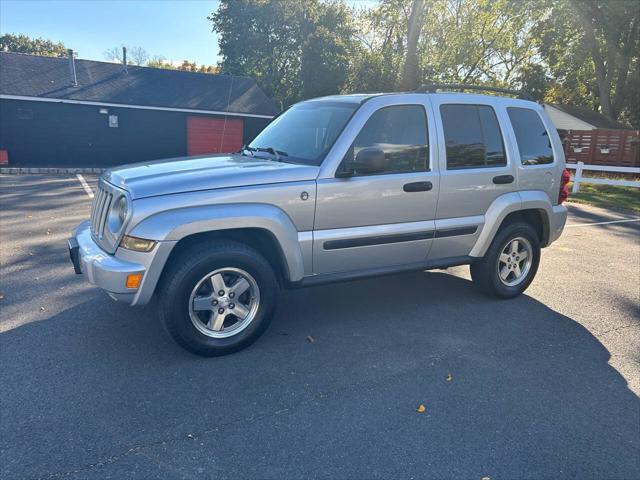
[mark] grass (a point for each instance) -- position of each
(607, 196)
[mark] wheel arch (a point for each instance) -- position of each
(266, 228)
(532, 207)
(260, 239)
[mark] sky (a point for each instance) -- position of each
(174, 29)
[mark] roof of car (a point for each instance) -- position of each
(362, 97)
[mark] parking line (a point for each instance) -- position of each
(85, 185)
(603, 223)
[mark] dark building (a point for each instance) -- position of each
(55, 112)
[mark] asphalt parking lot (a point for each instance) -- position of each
(542, 386)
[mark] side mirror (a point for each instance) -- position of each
(368, 160)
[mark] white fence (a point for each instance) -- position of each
(580, 167)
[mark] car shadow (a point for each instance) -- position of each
(512, 389)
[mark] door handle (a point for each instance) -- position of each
(417, 187)
(502, 179)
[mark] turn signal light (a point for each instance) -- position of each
(133, 280)
(137, 244)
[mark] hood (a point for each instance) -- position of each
(188, 174)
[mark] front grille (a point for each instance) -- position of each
(105, 195)
(99, 211)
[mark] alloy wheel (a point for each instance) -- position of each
(515, 261)
(224, 302)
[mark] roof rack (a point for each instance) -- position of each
(434, 87)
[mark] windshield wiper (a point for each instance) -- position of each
(248, 149)
(272, 151)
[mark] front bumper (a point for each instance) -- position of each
(110, 272)
(106, 271)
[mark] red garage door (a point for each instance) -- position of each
(213, 135)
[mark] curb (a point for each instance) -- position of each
(49, 171)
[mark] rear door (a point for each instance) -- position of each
(475, 169)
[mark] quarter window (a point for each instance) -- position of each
(533, 140)
(472, 136)
(401, 133)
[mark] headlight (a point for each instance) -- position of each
(118, 214)
(137, 244)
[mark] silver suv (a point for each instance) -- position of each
(332, 189)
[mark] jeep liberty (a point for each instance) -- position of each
(334, 188)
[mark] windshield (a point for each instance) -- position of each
(305, 132)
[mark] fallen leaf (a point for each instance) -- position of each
(421, 409)
(310, 339)
(449, 377)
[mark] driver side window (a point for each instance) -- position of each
(400, 132)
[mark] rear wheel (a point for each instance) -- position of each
(217, 297)
(510, 264)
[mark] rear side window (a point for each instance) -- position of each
(472, 136)
(533, 140)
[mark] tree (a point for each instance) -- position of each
(410, 72)
(293, 50)
(591, 49)
(459, 41)
(186, 65)
(36, 46)
(379, 53)
(582, 52)
(135, 55)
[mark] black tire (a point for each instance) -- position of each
(192, 265)
(485, 271)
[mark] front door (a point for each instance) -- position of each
(369, 221)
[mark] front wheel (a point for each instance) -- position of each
(511, 262)
(217, 297)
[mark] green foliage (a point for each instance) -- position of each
(36, 46)
(582, 52)
(379, 52)
(591, 49)
(186, 66)
(608, 196)
(294, 50)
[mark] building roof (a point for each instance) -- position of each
(24, 75)
(597, 120)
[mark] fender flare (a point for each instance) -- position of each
(503, 206)
(174, 225)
